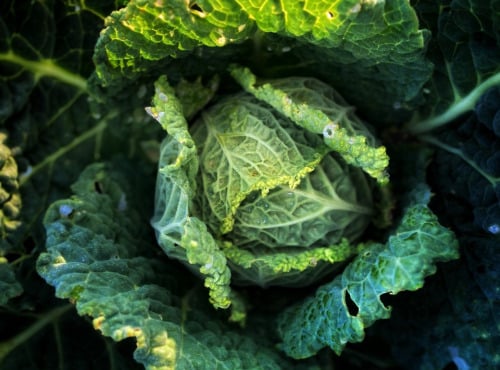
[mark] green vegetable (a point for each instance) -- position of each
(10, 199)
(249, 184)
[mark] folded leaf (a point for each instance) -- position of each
(179, 233)
(292, 267)
(323, 111)
(10, 197)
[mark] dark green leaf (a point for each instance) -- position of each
(9, 286)
(96, 258)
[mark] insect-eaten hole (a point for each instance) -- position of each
(352, 307)
(98, 187)
(387, 299)
(196, 9)
(330, 130)
(450, 366)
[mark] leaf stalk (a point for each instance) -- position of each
(460, 107)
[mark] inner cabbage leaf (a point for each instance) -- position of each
(245, 147)
(265, 182)
(332, 203)
(245, 189)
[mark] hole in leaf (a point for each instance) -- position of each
(195, 8)
(387, 299)
(450, 366)
(330, 130)
(352, 307)
(98, 187)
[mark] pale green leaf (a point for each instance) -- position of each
(179, 232)
(244, 147)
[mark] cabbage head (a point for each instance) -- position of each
(247, 195)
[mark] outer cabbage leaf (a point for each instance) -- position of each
(466, 169)
(43, 103)
(245, 148)
(340, 311)
(9, 286)
(373, 44)
(45, 58)
(54, 130)
(371, 51)
(466, 55)
(458, 324)
(10, 198)
(148, 31)
(96, 257)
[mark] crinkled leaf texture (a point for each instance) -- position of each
(340, 311)
(245, 148)
(96, 259)
(458, 324)
(453, 321)
(373, 45)
(152, 30)
(179, 233)
(242, 190)
(318, 108)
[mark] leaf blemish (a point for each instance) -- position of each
(65, 210)
(163, 97)
(330, 130)
(355, 9)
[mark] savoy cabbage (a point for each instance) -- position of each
(249, 184)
